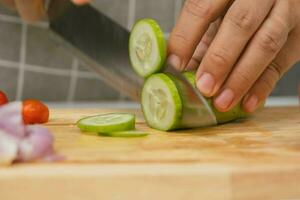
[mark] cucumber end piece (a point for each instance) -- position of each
(147, 47)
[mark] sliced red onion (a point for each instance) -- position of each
(11, 120)
(8, 148)
(37, 145)
(19, 142)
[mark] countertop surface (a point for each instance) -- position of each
(255, 158)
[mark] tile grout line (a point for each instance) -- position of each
(131, 13)
(44, 70)
(73, 81)
(17, 20)
(9, 64)
(20, 84)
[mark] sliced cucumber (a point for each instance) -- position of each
(190, 77)
(231, 115)
(132, 133)
(161, 102)
(147, 47)
(222, 117)
(107, 123)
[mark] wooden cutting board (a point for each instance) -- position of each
(257, 158)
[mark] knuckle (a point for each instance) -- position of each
(274, 37)
(275, 70)
(199, 8)
(219, 58)
(243, 78)
(178, 41)
(181, 37)
(243, 19)
(267, 84)
(270, 77)
(269, 42)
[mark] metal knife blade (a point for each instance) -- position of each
(103, 45)
(196, 111)
(98, 41)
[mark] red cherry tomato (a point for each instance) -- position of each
(3, 98)
(35, 112)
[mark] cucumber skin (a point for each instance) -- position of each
(125, 134)
(236, 112)
(176, 96)
(161, 45)
(119, 127)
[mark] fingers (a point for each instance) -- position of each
(81, 2)
(203, 45)
(239, 25)
(192, 24)
(262, 88)
(260, 52)
(31, 10)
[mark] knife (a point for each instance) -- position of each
(196, 111)
(102, 44)
(97, 41)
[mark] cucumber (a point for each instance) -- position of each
(161, 102)
(124, 134)
(107, 123)
(190, 77)
(222, 117)
(165, 106)
(147, 47)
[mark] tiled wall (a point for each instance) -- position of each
(32, 66)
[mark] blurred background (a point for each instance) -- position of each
(33, 66)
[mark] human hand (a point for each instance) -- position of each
(32, 10)
(241, 48)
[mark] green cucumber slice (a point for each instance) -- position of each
(107, 123)
(190, 77)
(124, 134)
(161, 102)
(147, 47)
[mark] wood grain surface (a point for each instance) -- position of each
(256, 158)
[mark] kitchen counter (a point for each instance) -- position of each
(257, 158)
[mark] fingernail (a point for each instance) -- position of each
(251, 103)
(225, 99)
(206, 83)
(174, 61)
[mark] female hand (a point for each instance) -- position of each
(32, 10)
(241, 48)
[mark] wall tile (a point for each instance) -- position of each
(288, 85)
(7, 11)
(45, 87)
(43, 51)
(10, 41)
(9, 81)
(94, 90)
(162, 11)
(116, 9)
(82, 67)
